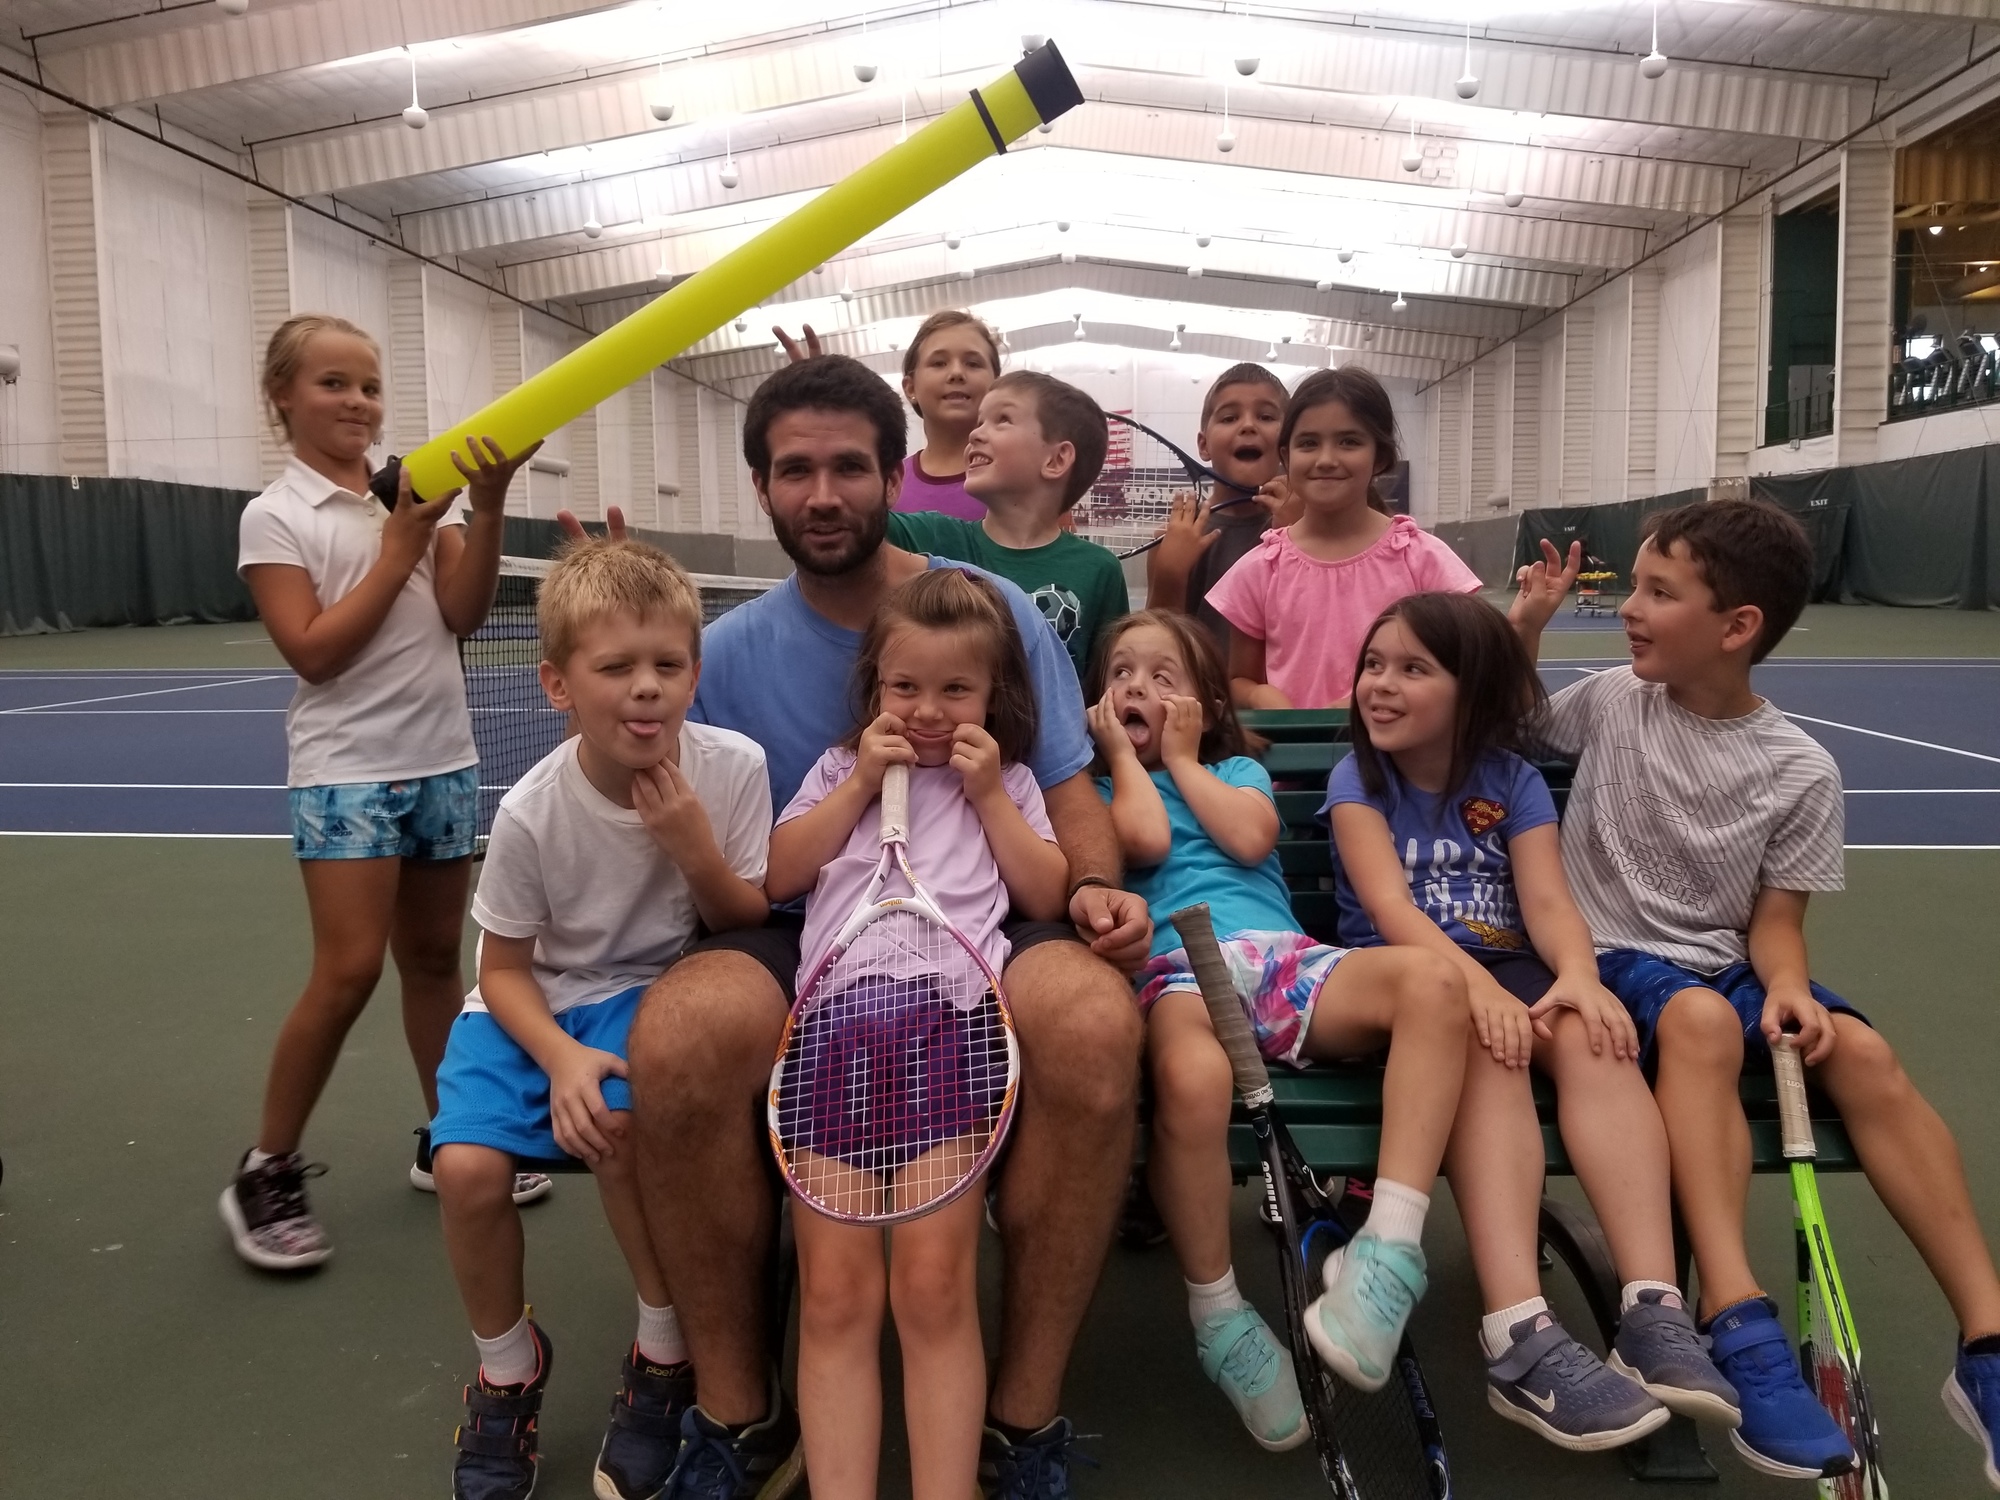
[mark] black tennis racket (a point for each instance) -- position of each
(1381, 1446)
(1142, 473)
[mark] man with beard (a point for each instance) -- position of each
(825, 440)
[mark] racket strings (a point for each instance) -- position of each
(897, 1072)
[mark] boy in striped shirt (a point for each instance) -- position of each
(1700, 822)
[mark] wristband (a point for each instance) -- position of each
(1077, 885)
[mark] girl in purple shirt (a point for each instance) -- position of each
(946, 372)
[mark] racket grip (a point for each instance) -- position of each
(1225, 1011)
(896, 805)
(1794, 1115)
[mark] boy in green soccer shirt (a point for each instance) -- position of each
(1038, 447)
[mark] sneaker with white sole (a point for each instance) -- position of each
(1551, 1384)
(269, 1220)
(1972, 1396)
(1659, 1347)
(1255, 1372)
(1785, 1431)
(528, 1186)
(1356, 1325)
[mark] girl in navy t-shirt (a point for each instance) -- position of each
(1445, 838)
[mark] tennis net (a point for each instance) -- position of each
(512, 722)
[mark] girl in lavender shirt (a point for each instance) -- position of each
(944, 680)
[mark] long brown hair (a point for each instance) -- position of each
(1224, 734)
(1365, 400)
(954, 599)
(1498, 687)
(937, 322)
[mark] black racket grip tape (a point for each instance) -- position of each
(1225, 1011)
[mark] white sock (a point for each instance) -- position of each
(1205, 1301)
(509, 1359)
(1398, 1214)
(256, 1159)
(1496, 1328)
(660, 1340)
(1670, 1294)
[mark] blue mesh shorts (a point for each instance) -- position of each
(1644, 984)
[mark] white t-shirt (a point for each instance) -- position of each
(571, 869)
(398, 711)
(1676, 822)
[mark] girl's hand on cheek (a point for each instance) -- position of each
(1108, 729)
(975, 755)
(1180, 738)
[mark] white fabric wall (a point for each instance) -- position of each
(174, 287)
(28, 407)
(1610, 407)
(458, 348)
(338, 271)
(543, 342)
(1690, 318)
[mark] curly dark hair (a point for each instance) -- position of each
(826, 382)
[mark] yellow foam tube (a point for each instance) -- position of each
(1035, 91)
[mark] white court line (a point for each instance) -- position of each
(138, 713)
(121, 697)
(139, 787)
(52, 833)
(1898, 738)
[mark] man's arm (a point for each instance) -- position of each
(1114, 922)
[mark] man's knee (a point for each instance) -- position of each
(1700, 1029)
(1080, 1033)
(705, 1033)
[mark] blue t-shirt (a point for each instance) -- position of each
(777, 670)
(1454, 855)
(1241, 898)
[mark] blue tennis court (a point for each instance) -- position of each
(189, 752)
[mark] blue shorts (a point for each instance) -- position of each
(433, 817)
(491, 1093)
(1644, 984)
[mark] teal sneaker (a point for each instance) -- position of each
(1356, 1325)
(1255, 1373)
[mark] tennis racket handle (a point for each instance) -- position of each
(1225, 1011)
(896, 805)
(1794, 1115)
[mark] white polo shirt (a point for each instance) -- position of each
(398, 712)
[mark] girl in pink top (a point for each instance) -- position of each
(946, 371)
(944, 678)
(1302, 599)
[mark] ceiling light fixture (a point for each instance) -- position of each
(1201, 240)
(1459, 247)
(951, 239)
(1062, 226)
(1194, 271)
(1343, 255)
(846, 291)
(1079, 334)
(1937, 229)
(591, 228)
(233, 7)
(966, 273)
(1513, 197)
(1030, 40)
(1324, 284)
(1271, 352)
(662, 273)
(1175, 341)
(1400, 303)
(1654, 63)
(1226, 141)
(1069, 257)
(1413, 154)
(864, 70)
(727, 173)
(416, 116)
(1468, 82)
(658, 104)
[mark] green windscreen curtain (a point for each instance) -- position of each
(1922, 532)
(1609, 533)
(76, 553)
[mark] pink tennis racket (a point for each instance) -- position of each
(896, 1074)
